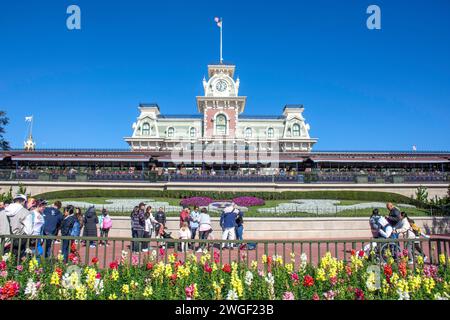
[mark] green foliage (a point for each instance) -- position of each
(180, 194)
(4, 145)
(6, 196)
(422, 194)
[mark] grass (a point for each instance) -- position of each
(253, 211)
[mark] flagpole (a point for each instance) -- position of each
(31, 125)
(221, 25)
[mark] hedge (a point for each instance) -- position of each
(180, 194)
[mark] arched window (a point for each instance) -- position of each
(170, 132)
(296, 130)
(146, 129)
(192, 132)
(248, 132)
(221, 124)
(270, 133)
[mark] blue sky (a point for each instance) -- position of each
(362, 89)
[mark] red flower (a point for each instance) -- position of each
(353, 252)
(226, 268)
(173, 277)
(348, 270)
(402, 268)
(308, 281)
(316, 297)
(2, 265)
(190, 291)
(216, 256)
(114, 265)
(73, 258)
(162, 252)
(94, 260)
(9, 290)
(361, 253)
(149, 266)
(269, 260)
(98, 276)
(178, 263)
(333, 281)
(388, 271)
(294, 277)
(207, 268)
(59, 271)
(359, 294)
(73, 247)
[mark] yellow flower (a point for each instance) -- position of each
(356, 262)
(428, 284)
(254, 265)
(91, 277)
(402, 285)
(112, 296)
(205, 258)
(264, 258)
(414, 282)
(172, 258)
(125, 289)
(115, 275)
(214, 267)
(133, 284)
(442, 259)
(168, 271)
(183, 272)
(54, 280)
(289, 267)
(193, 258)
(148, 291)
(80, 292)
(236, 283)
(33, 265)
(217, 290)
(371, 281)
(394, 279)
(321, 276)
(385, 287)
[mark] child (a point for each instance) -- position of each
(66, 229)
(418, 233)
(185, 234)
(105, 223)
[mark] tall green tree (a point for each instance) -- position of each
(4, 145)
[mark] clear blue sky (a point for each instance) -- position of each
(362, 89)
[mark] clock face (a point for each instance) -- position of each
(221, 85)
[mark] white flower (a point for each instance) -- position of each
(248, 278)
(438, 296)
(124, 254)
(371, 283)
(403, 295)
(303, 260)
(31, 289)
(98, 286)
(6, 257)
(70, 281)
(270, 279)
(232, 295)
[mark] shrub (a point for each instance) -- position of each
(196, 201)
(249, 201)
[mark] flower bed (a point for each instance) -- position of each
(203, 278)
(249, 201)
(196, 201)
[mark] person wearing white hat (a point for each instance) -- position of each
(17, 216)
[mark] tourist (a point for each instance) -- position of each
(184, 216)
(149, 222)
(52, 223)
(161, 222)
(194, 219)
(4, 223)
(204, 228)
(418, 233)
(379, 225)
(228, 224)
(394, 214)
(105, 223)
(135, 209)
(184, 234)
(239, 224)
(138, 220)
(404, 230)
(16, 214)
(66, 230)
(76, 230)
(38, 217)
(90, 222)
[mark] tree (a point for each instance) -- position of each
(422, 194)
(4, 145)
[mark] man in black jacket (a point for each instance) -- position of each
(53, 219)
(66, 229)
(394, 214)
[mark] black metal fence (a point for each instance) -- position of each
(138, 250)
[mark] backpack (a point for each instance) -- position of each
(107, 223)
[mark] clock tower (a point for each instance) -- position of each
(220, 104)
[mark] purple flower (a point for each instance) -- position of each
(248, 201)
(196, 201)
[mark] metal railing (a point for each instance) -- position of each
(245, 251)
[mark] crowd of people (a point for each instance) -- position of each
(35, 217)
(395, 225)
(145, 224)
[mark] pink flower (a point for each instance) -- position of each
(190, 291)
(20, 268)
(329, 295)
(316, 297)
(294, 277)
(162, 252)
(216, 256)
(134, 260)
(333, 281)
(4, 274)
(359, 294)
(2, 266)
(288, 296)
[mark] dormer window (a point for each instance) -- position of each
(146, 129)
(270, 133)
(296, 130)
(170, 132)
(248, 133)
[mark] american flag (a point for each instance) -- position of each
(218, 21)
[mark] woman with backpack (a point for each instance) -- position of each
(90, 222)
(105, 223)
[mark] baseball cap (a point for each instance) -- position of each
(41, 202)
